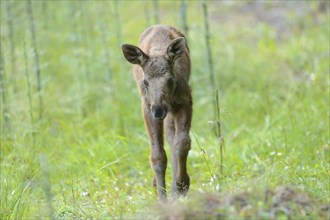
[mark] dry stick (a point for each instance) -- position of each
(118, 22)
(106, 52)
(29, 94)
(147, 13)
(11, 43)
(107, 55)
(216, 105)
(47, 186)
(85, 41)
(119, 42)
(208, 47)
(220, 138)
(45, 13)
(156, 11)
(36, 56)
(4, 104)
(184, 17)
(209, 52)
(78, 56)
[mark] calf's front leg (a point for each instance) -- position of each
(170, 134)
(158, 157)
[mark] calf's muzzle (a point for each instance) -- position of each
(159, 112)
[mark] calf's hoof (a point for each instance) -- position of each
(182, 186)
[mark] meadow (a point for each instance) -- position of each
(73, 143)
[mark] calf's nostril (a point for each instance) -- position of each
(158, 113)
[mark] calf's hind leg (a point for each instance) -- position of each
(182, 143)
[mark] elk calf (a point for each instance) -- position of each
(162, 69)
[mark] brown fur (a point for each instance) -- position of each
(162, 69)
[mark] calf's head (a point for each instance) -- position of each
(159, 76)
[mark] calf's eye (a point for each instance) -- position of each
(145, 83)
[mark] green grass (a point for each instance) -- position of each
(88, 156)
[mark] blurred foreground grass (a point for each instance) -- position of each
(87, 156)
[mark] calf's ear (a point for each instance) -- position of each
(133, 54)
(176, 48)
